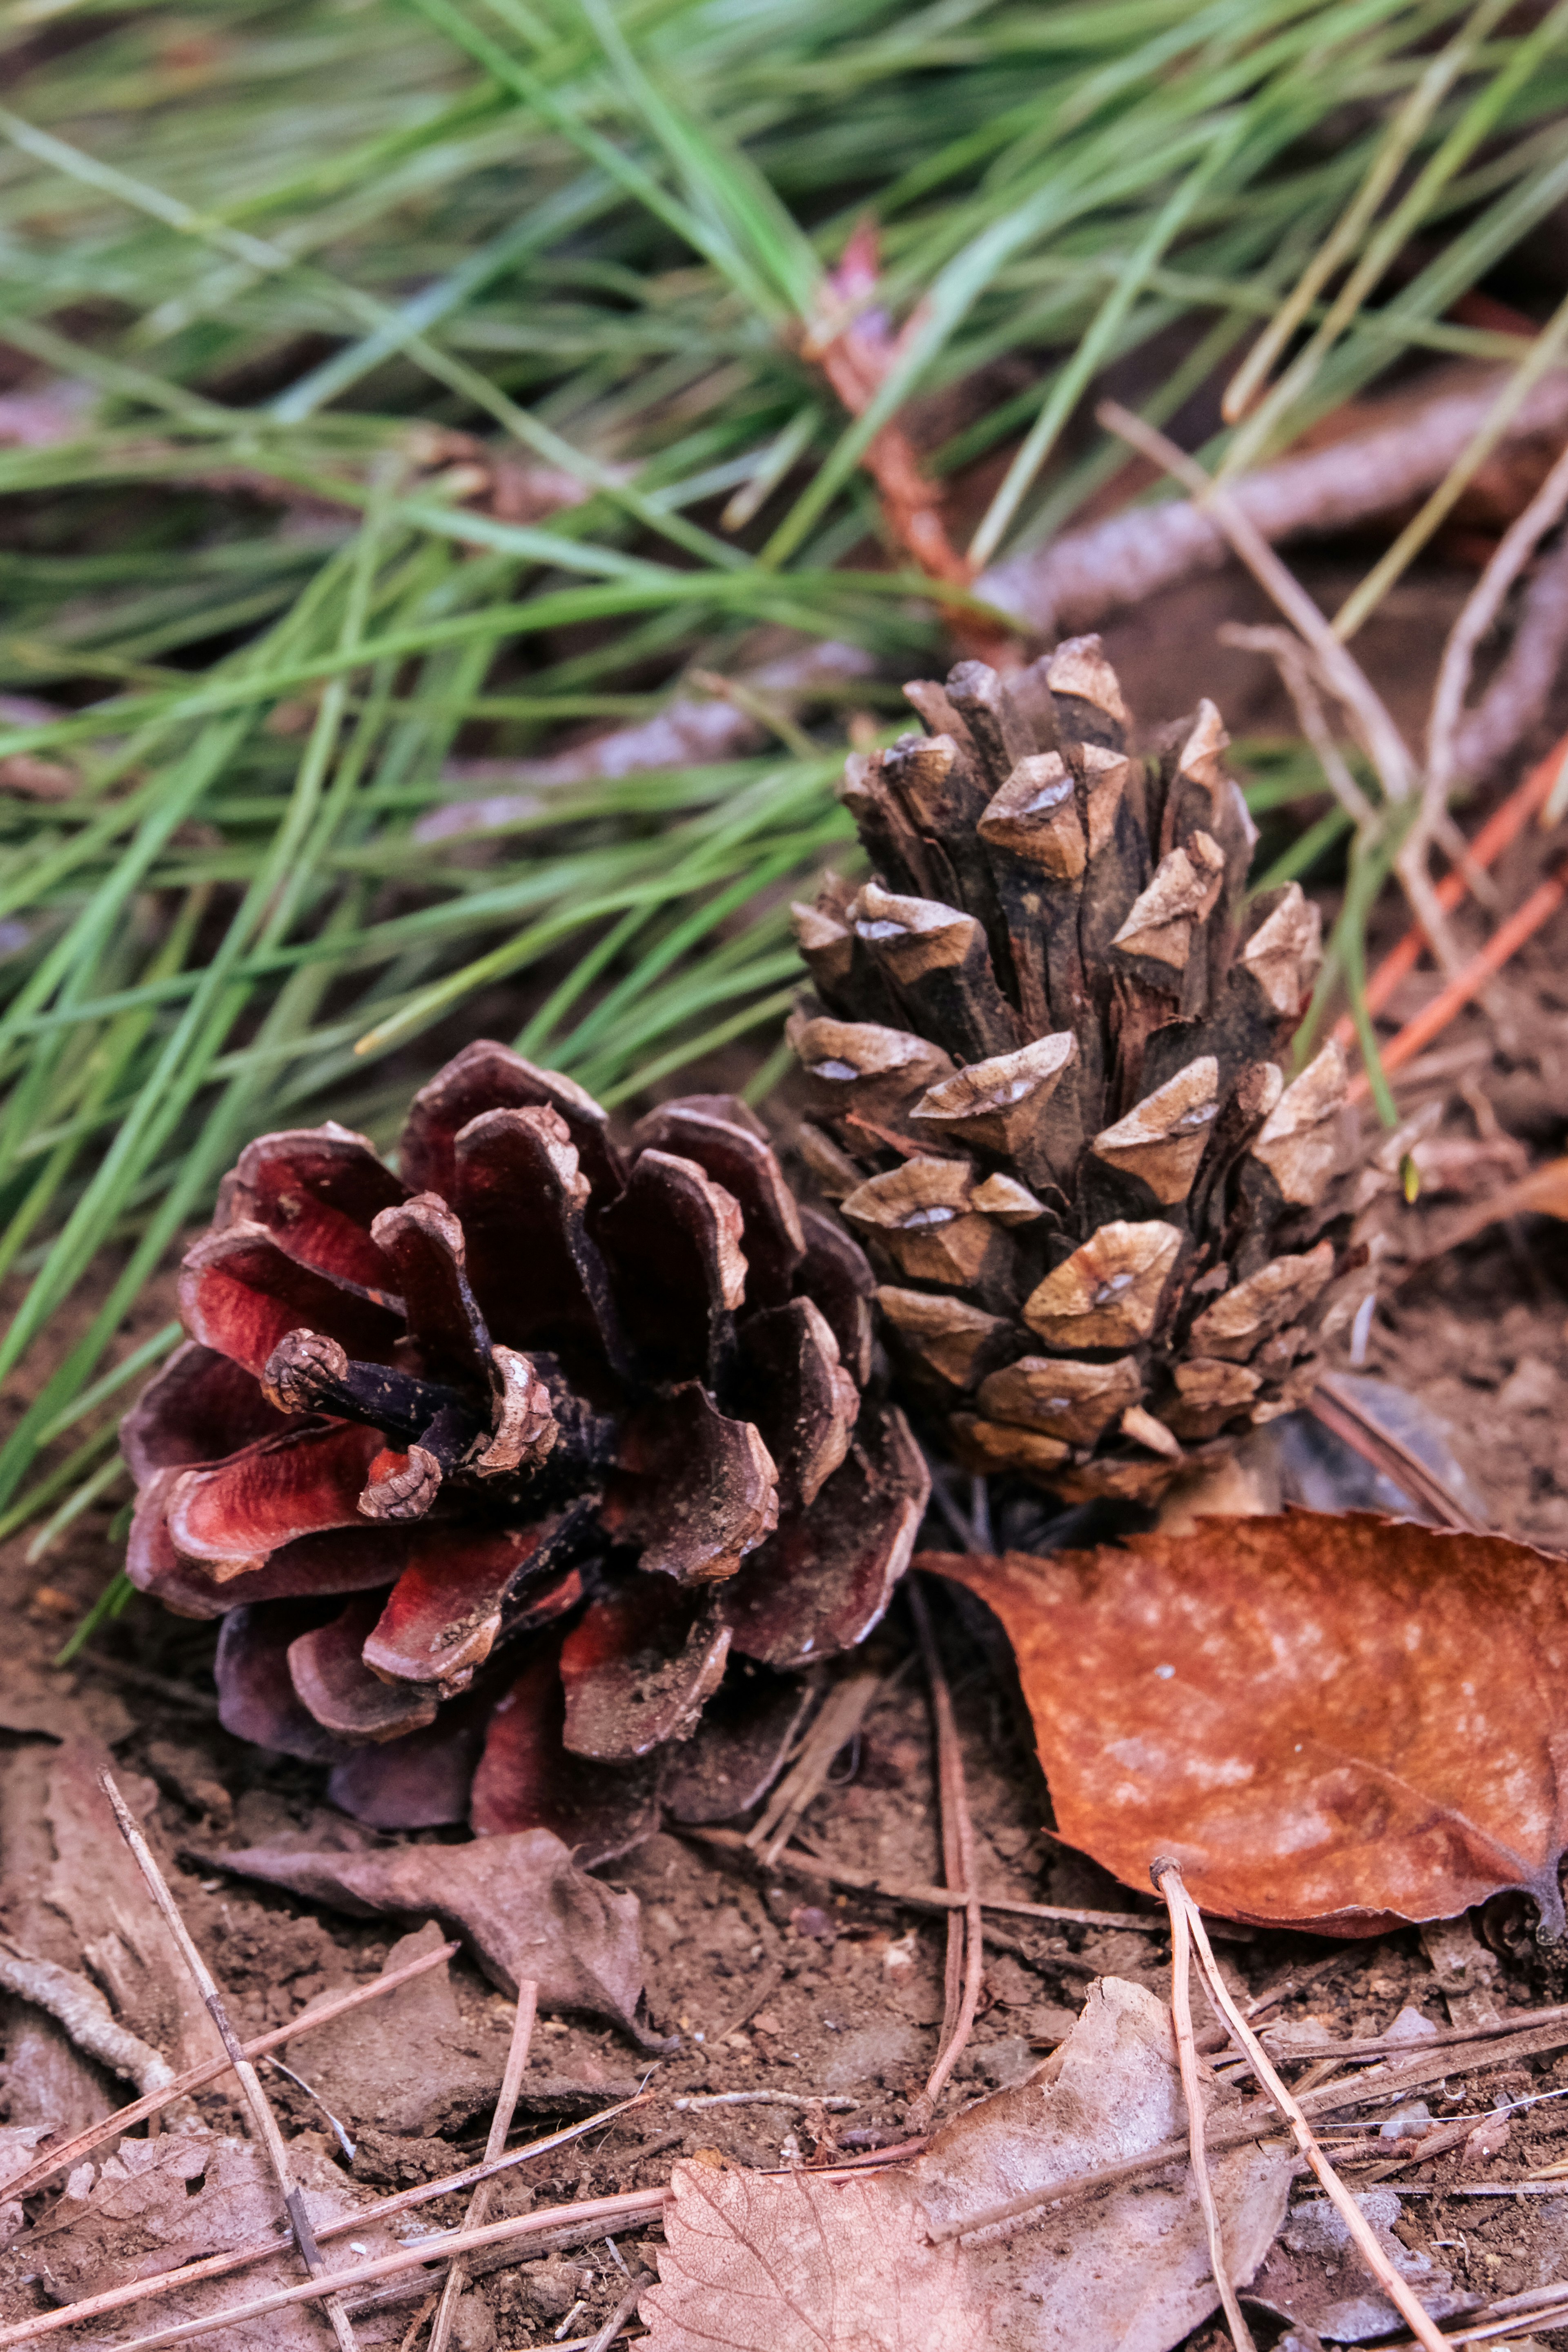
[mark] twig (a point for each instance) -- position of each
(965, 1944)
(365, 2217)
(842, 1713)
(1083, 575)
(1470, 980)
(249, 2081)
(195, 2078)
(1192, 2089)
(494, 2146)
(918, 1897)
(1397, 2289)
(635, 2204)
(621, 2314)
(764, 2099)
(1501, 828)
(77, 2004)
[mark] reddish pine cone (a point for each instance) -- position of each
(526, 1456)
(1047, 1069)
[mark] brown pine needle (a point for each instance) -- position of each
(501, 2123)
(260, 2106)
(965, 1942)
(1399, 2294)
(1167, 1880)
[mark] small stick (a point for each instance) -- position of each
(1192, 2089)
(115, 2127)
(922, 1898)
(965, 1942)
(1501, 830)
(494, 2146)
(1397, 2289)
(621, 2314)
(764, 2099)
(256, 2098)
(115, 2298)
(1471, 978)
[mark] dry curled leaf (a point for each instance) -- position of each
(804, 2263)
(1330, 1721)
(519, 1900)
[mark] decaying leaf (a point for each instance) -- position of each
(1331, 1722)
(155, 2204)
(799, 2262)
(519, 1900)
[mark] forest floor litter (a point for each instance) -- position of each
(727, 2081)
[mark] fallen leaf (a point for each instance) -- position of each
(519, 1900)
(1331, 1722)
(157, 2203)
(1314, 2277)
(810, 2263)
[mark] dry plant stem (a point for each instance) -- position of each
(965, 1944)
(256, 2098)
(1361, 2229)
(1192, 2091)
(841, 1715)
(1471, 978)
(621, 2314)
(923, 1898)
(494, 2146)
(1501, 828)
(115, 2298)
(195, 2078)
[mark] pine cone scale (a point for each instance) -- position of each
(1055, 1225)
(470, 1469)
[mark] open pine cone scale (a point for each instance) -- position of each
(1047, 1091)
(500, 1471)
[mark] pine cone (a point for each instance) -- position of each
(525, 1456)
(1047, 1085)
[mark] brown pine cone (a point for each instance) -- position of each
(498, 1473)
(1047, 1086)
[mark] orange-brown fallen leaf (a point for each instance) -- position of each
(1330, 1721)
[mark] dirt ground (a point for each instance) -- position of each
(767, 1983)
